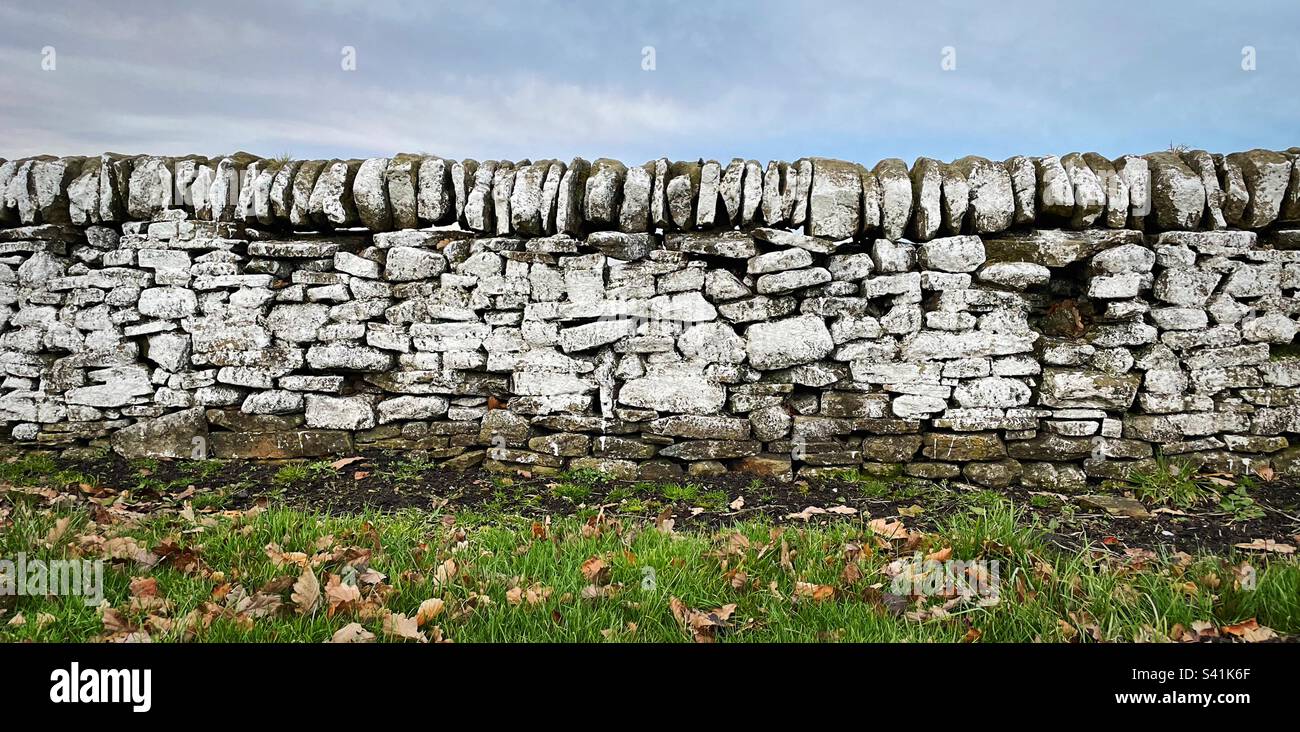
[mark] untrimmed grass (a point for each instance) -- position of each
(504, 578)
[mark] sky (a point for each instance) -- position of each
(638, 80)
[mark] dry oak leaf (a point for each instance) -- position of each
(352, 633)
(339, 595)
(279, 557)
(306, 591)
(1267, 545)
(344, 462)
(57, 531)
(702, 626)
(889, 530)
(1250, 631)
(398, 625)
(444, 573)
(429, 609)
(124, 547)
(815, 592)
(596, 571)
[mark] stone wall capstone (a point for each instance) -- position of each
(1041, 321)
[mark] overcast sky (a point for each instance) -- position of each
(747, 78)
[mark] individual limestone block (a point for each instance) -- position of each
(992, 196)
(953, 253)
(751, 194)
(927, 198)
(895, 197)
(1055, 196)
(790, 342)
(675, 393)
(435, 195)
(1089, 197)
(339, 413)
(1115, 188)
(1233, 184)
(775, 187)
(660, 218)
(604, 192)
(1267, 175)
(1015, 275)
(331, 203)
(402, 183)
(956, 198)
(304, 182)
(550, 195)
(370, 195)
(730, 186)
(709, 197)
(150, 188)
(682, 190)
(503, 183)
(800, 187)
(1203, 166)
(171, 436)
(1024, 188)
(479, 209)
(634, 213)
(834, 199)
(1177, 195)
(569, 202)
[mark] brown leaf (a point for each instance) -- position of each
(339, 596)
(942, 555)
(702, 626)
(972, 635)
(596, 571)
(1267, 545)
(444, 573)
(57, 531)
(344, 462)
(400, 626)
(815, 592)
(306, 591)
(429, 609)
(1250, 631)
(352, 633)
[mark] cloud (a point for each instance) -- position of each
(549, 79)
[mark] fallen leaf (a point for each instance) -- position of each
(815, 592)
(702, 626)
(352, 633)
(340, 596)
(737, 504)
(429, 609)
(306, 591)
(1250, 631)
(596, 571)
(1267, 545)
(807, 513)
(57, 531)
(398, 625)
(344, 462)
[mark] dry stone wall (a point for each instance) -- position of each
(1038, 320)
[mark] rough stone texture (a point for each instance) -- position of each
(664, 319)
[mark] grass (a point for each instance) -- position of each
(519, 580)
(301, 472)
(1169, 482)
